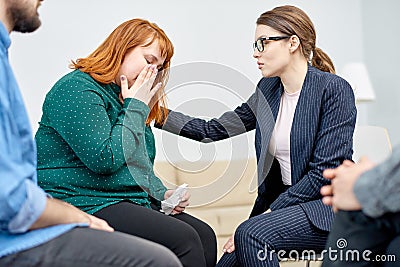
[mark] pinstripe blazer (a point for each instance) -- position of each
(321, 137)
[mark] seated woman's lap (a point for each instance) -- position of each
(188, 237)
(287, 229)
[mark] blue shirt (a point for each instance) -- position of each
(22, 201)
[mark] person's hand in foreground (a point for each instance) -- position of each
(339, 194)
(60, 212)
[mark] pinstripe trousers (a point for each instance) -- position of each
(265, 239)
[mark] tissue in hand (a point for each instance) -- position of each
(168, 205)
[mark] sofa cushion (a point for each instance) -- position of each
(219, 184)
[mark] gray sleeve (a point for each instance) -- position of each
(378, 190)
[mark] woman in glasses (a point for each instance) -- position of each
(96, 149)
(304, 117)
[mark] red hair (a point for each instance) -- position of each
(104, 63)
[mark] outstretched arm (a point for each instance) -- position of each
(229, 124)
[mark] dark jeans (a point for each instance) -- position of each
(192, 240)
(85, 247)
(353, 233)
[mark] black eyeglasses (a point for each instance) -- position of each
(259, 44)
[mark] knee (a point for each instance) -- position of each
(250, 232)
(166, 258)
(204, 231)
(187, 236)
(186, 244)
(244, 233)
(201, 227)
(208, 233)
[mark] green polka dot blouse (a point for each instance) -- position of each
(94, 151)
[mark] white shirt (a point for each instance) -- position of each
(279, 145)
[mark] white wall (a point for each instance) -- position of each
(381, 53)
(218, 32)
